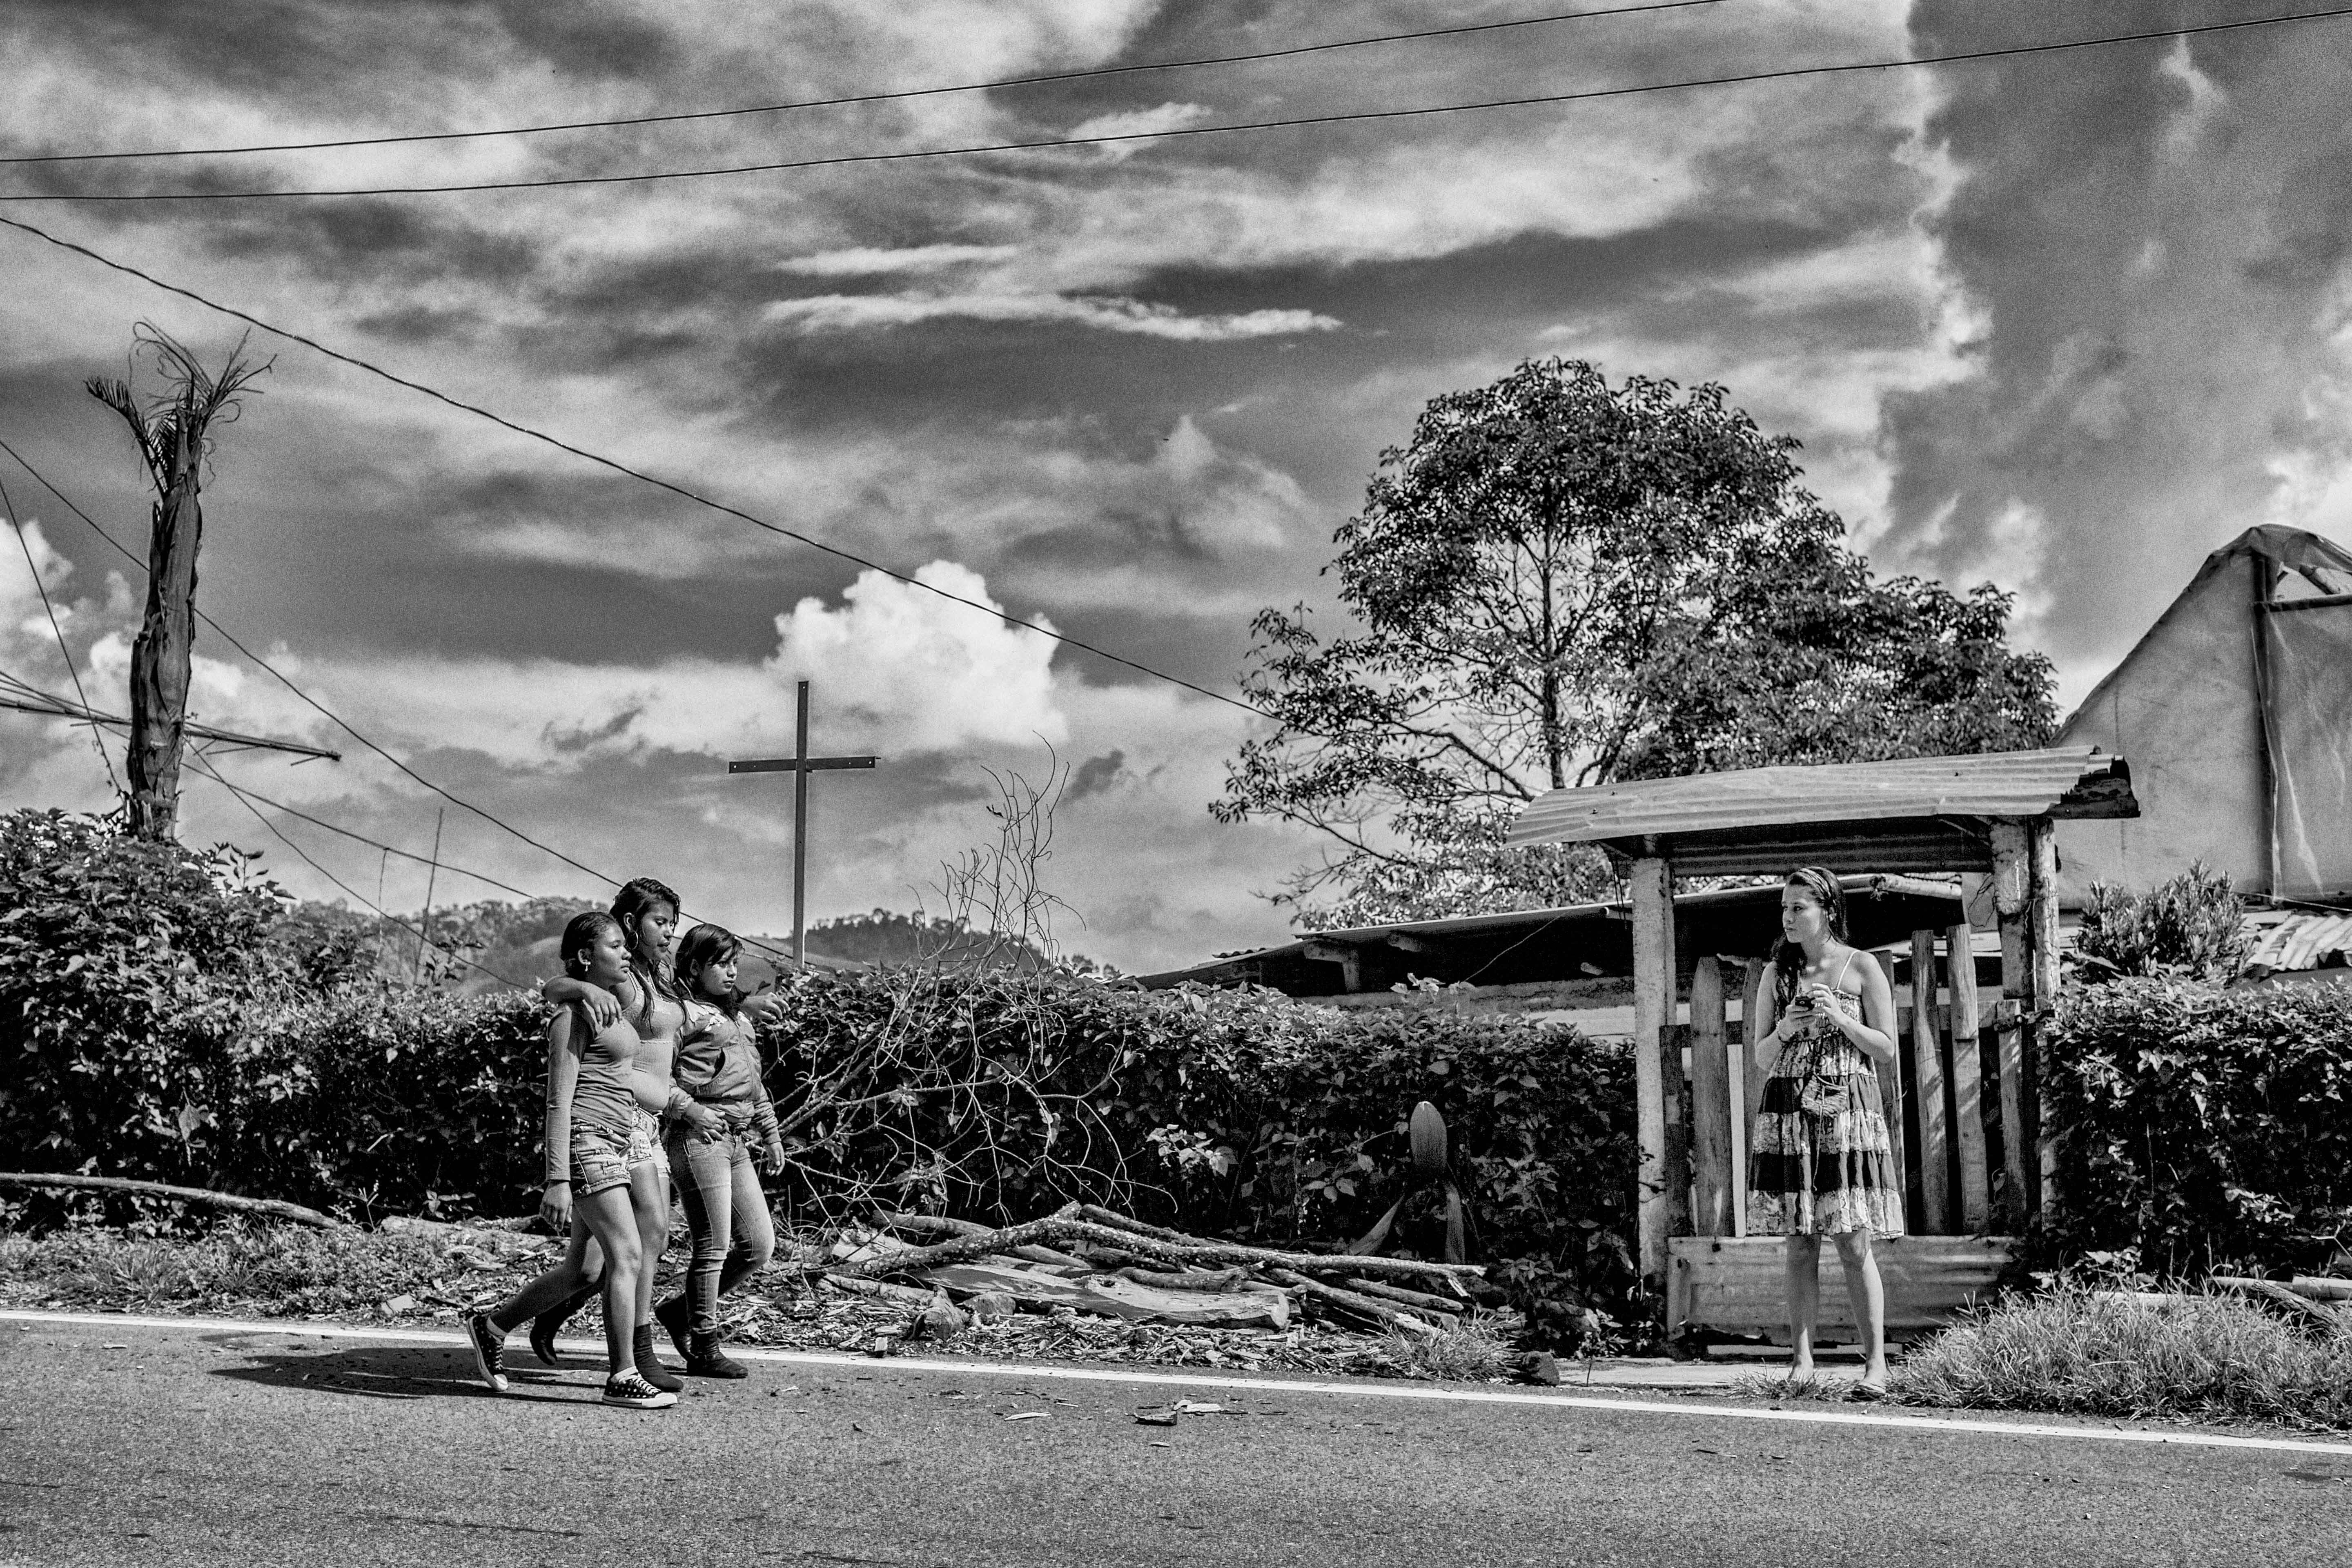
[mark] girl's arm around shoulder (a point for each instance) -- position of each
(565, 991)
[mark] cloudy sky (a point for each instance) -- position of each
(2066, 322)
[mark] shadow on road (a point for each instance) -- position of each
(395, 1372)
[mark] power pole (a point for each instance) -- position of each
(173, 430)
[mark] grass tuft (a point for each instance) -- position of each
(2073, 1350)
(1471, 1350)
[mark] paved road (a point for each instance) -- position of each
(199, 1444)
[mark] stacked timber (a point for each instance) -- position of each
(1095, 1261)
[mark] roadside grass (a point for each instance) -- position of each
(243, 1269)
(1473, 1350)
(2074, 1350)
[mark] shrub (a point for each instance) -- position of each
(2201, 1126)
(2189, 927)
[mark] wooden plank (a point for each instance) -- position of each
(2041, 848)
(1652, 892)
(1711, 1102)
(1968, 1083)
(1737, 1284)
(1928, 1078)
(1674, 1042)
(1754, 1002)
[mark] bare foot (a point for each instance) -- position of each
(1801, 1369)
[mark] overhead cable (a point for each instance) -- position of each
(1045, 143)
(618, 466)
(847, 100)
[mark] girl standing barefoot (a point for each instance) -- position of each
(1821, 1162)
(718, 1062)
(594, 1090)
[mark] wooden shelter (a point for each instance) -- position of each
(1991, 815)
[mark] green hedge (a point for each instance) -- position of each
(2202, 1127)
(163, 1018)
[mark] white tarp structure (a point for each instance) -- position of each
(2235, 714)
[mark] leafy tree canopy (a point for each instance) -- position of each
(1558, 582)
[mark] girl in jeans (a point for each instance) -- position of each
(718, 1062)
(595, 1091)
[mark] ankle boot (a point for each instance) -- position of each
(649, 1365)
(672, 1315)
(706, 1359)
(548, 1324)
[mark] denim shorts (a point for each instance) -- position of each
(645, 1136)
(600, 1161)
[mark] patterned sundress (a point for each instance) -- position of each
(1820, 1161)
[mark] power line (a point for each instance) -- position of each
(96, 739)
(433, 861)
(619, 468)
(94, 526)
(335, 718)
(1233, 128)
(207, 771)
(844, 100)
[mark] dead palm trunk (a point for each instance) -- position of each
(173, 433)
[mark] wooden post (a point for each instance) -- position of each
(1654, 1008)
(2041, 848)
(1751, 1011)
(1711, 1103)
(1890, 1094)
(1927, 1079)
(1743, 1103)
(2011, 886)
(1967, 1082)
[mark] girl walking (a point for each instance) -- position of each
(595, 1093)
(718, 1062)
(1821, 1162)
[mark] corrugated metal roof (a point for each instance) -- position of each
(2303, 940)
(1995, 783)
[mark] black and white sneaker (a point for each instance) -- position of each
(489, 1350)
(632, 1392)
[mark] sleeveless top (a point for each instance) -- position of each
(605, 1098)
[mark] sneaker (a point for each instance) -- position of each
(650, 1364)
(633, 1392)
(489, 1350)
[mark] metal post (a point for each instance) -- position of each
(800, 831)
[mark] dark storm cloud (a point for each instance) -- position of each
(2151, 233)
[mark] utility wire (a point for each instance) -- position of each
(204, 767)
(335, 718)
(867, 97)
(434, 861)
(1231, 128)
(619, 468)
(67, 501)
(96, 739)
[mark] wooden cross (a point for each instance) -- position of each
(800, 765)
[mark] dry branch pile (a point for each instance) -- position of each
(1093, 1260)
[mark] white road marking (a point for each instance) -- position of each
(1180, 1377)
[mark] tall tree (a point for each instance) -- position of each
(1558, 582)
(174, 430)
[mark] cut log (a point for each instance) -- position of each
(202, 1197)
(1111, 1297)
(1328, 1263)
(2296, 1304)
(1215, 1281)
(1350, 1302)
(1420, 1298)
(1057, 1229)
(880, 1290)
(939, 1224)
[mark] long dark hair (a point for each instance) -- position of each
(636, 895)
(1788, 958)
(706, 944)
(581, 932)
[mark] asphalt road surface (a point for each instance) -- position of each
(202, 1442)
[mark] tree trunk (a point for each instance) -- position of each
(161, 658)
